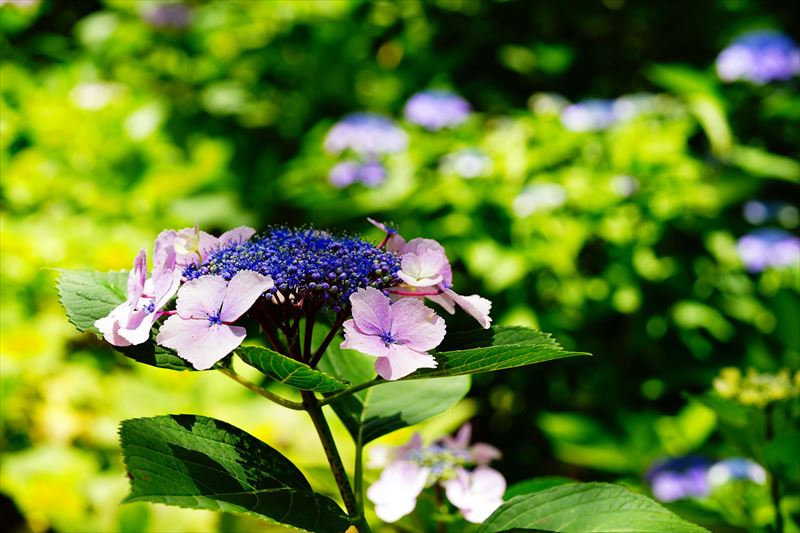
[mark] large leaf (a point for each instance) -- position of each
(497, 348)
(534, 485)
(203, 463)
(293, 373)
(583, 508)
(390, 406)
(88, 296)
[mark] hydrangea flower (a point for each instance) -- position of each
(735, 468)
(759, 57)
(426, 273)
(679, 478)
(366, 134)
(201, 331)
(371, 173)
(437, 109)
(539, 197)
(589, 115)
(175, 16)
(447, 462)
(130, 322)
(399, 334)
(768, 248)
(192, 245)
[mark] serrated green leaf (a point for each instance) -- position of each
(584, 508)
(497, 348)
(288, 371)
(88, 296)
(202, 463)
(390, 406)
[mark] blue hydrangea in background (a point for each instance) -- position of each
(435, 110)
(371, 173)
(366, 134)
(589, 115)
(768, 248)
(759, 57)
(679, 478)
(735, 468)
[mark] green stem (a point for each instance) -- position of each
(311, 404)
(297, 406)
(774, 487)
(352, 390)
(358, 474)
(328, 338)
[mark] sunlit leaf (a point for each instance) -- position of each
(583, 508)
(202, 463)
(288, 371)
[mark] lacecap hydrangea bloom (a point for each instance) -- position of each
(369, 173)
(366, 134)
(204, 285)
(759, 57)
(768, 248)
(679, 478)
(437, 109)
(460, 469)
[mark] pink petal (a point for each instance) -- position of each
(164, 256)
(371, 311)
(201, 297)
(483, 453)
(416, 326)
(165, 285)
(110, 324)
(462, 437)
(137, 330)
(445, 301)
(402, 361)
(355, 339)
(395, 493)
(478, 494)
(422, 270)
(137, 277)
(243, 290)
(395, 242)
(198, 341)
(238, 235)
(476, 306)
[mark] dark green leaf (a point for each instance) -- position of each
(583, 508)
(534, 485)
(390, 406)
(288, 371)
(88, 296)
(497, 348)
(203, 463)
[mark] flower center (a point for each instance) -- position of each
(387, 338)
(214, 319)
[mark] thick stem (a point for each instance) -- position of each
(774, 486)
(297, 406)
(328, 339)
(263, 318)
(440, 525)
(308, 333)
(356, 513)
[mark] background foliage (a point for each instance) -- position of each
(115, 124)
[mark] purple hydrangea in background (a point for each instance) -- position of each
(736, 468)
(759, 57)
(757, 212)
(434, 110)
(174, 16)
(768, 248)
(371, 173)
(589, 115)
(366, 134)
(679, 478)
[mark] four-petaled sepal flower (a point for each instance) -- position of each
(398, 334)
(201, 331)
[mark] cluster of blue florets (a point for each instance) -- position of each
(306, 264)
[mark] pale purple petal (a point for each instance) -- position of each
(402, 361)
(421, 270)
(371, 311)
(201, 297)
(476, 306)
(435, 254)
(110, 324)
(165, 285)
(137, 330)
(164, 255)
(445, 301)
(137, 277)
(461, 440)
(199, 341)
(243, 290)
(236, 235)
(483, 453)
(355, 339)
(395, 493)
(395, 243)
(416, 326)
(478, 494)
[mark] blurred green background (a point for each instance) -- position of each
(121, 118)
